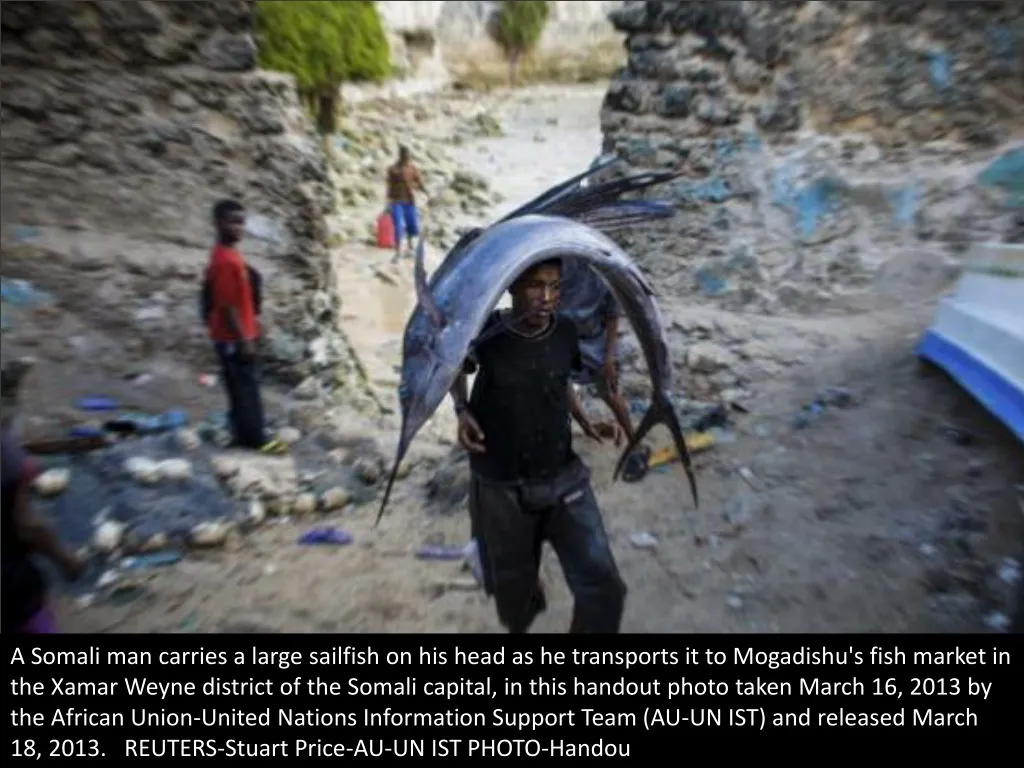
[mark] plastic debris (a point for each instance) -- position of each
(1009, 571)
(436, 552)
(1007, 172)
(21, 293)
(711, 284)
(96, 404)
(328, 535)
(26, 234)
(643, 540)
(131, 423)
(150, 560)
(997, 621)
(939, 70)
(471, 552)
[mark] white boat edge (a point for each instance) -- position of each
(977, 334)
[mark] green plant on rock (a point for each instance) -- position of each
(516, 27)
(323, 44)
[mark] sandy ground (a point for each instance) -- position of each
(892, 514)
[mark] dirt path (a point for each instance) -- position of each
(891, 513)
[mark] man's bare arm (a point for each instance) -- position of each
(611, 335)
(460, 393)
(577, 411)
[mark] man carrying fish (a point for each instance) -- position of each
(528, 485)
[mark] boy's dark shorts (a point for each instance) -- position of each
(510, 525)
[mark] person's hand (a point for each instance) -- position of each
(247, 349)
(610, 374)
(471, 437)
(611, 432)
(592, 432)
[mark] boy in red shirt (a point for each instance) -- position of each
(234, 328)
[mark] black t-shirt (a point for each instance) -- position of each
(520, 399)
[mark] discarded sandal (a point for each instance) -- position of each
(274, 447)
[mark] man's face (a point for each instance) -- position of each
(538, 292)
(231, 227)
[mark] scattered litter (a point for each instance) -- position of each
(22, 293)
(749, 477)
(328, 535)
(1007, 172)
(735, 602)
(715, 416)
(957, 436)
(207, 380)
(1009, 571)
(52, 482)
(25, 234)
(85, 601)
(643, 540)
(150, 560)
(96, 404)
(437, 552)
(711, 284)
(142, 379)
(107, 536)
(142, 470)
(839, 397)
(997, 621)
(174, 469)
(107, 579)
(835, 397)
(143, 424)
(928, 550)
(462, 585)
(472, 554)
(126, 592)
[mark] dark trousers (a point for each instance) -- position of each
(510, 525)
(245, 405)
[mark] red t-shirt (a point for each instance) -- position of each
(230, 287)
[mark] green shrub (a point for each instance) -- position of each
(323, 43)
(516, 28)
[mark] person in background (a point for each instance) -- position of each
(234, 329)
(527, 483)
(588, 303)
(25, 607)
(403, 182)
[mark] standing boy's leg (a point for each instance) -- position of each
(230, 379)
(576, 532)
(509, 546)
(250, 403)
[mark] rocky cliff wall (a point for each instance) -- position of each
(837, 157)
(122, 124)
(903, 72)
